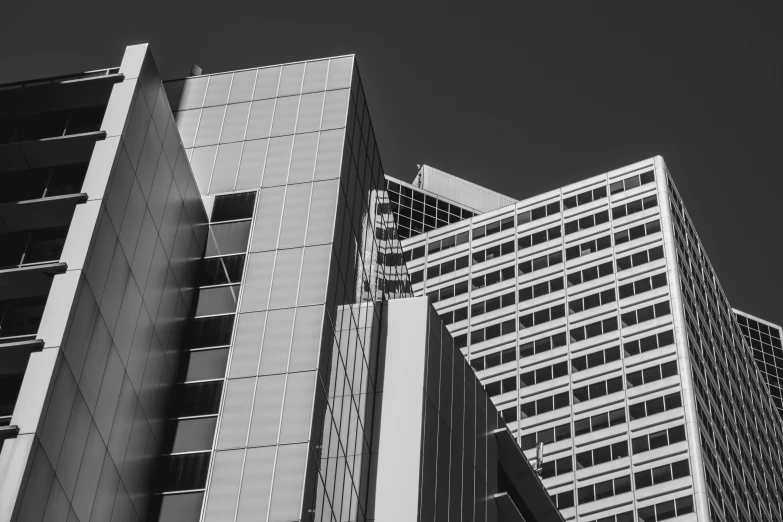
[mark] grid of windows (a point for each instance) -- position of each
(764, 340)
(416, 212)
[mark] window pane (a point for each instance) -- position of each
(303, 158)
(192, 434)
(315, 270)
(221, 270)
(233, 206)
(203, 365)
(258, 282)
(292, 231)
(247, 345)
(256, 482)
(288, 482)
(235, 417)
(227, 471)
(297, 407)
(251, 166)
(227, 238)
(277, 160)
(265, 422)
(277, 341)
(217, 300)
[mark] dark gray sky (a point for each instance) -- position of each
(519, 97)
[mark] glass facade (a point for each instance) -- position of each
(764, 339)
(417, 211)
(579, 320)
(277, 398)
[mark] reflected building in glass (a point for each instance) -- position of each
(206, 313)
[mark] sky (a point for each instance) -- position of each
(519, 97)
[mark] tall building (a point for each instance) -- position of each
(593, 317)
(764, 339)
(206, 315)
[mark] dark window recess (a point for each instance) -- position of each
(651, 342)
(646, 313)
(490, 278)
(593, 329)
(233, 206)
(654, 406)
(547, 373)
(183, 472)
(599, 218)
(602, 455)
(417, 277)
(595, 359)
(493, 228)
(584, 197)
(210, 331)
(202, 365)
(539, 237)
(20, 318)
(605, 489)
(652, 374)
(502, 386)
(414, 253)
(198, 398)
(542, 345)
(563, 500)
(542, 316)
(537, 290)
(493, 252)
(598, 389)
(666, 510)
(658, 439)
(555, 434)
(538, 213)
(637, 232)
(560, 466)
(453, 316)
(589, 274)
(588, 247)
(490, 305)
(642, 285)
(543, 405)
(639, 258)
(190, 435)
(42, 183)
(9, 391)
(222, 270)
(661, 474)
(591, 301)
(447, 267)
(449, 291)
(539, 263)
(493, 331)
(52, 124)
(634, 206)
(599, 422)
(26, 248)
(443, 244)
(632, 182)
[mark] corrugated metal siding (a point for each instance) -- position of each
(459, 190)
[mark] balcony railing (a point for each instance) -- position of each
(31, 248)
(19, 319)
(51, 124)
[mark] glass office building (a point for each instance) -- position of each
(594, 319)
(193, 312)
(764, 339)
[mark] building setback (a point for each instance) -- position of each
(203, 300)
(593, 317)
(764, 339)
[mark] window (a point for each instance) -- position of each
(491, 278)
(494, 359)
(543, 405)
(654, 406)
(417, 277)
(538, 213)
(493, 252)
(539, 237)
(584, 197)
(651, 374)
(590, 274)
(493, 228)
(666, 510)
(210, 331)
(503, 386)
(547, 373)
(447, 267)
(490, 305)
(539, 263)
(539, 289)
(601, 455)
(586, 222)
(637, 232)
(554, 434)
(632, 182)
(591, 301)
(446, 243)
(221, 270)
(493, 331)
(233, 207)
(588, 247)
(595, 359)
(414, 253)
(563, 500)
(647, 313)
(453, 316)
(659, 439)
(184, 471)
(553, 468)
(608, 488)
(598, 389)
(661, 474)
(198, 398)
(642, 285)
(639, 258)
(542, 345)
(619, 517)
(649, 343)
(599, 422)
(634, 206)
(542, 316)
(449, 291)
(593, 329)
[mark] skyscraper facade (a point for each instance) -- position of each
(194, 321)
(763, 338)
(594, 319)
